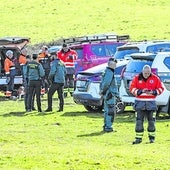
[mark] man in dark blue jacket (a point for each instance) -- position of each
(57, 77)
(34, 72)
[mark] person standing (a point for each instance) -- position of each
(34, 72)
(22, 59)
(109, 91)
(68, 56)
(26, 87)
(145, 87)
(45, 59)
(57, 78)
(10, 71)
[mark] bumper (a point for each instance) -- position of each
(87, 99)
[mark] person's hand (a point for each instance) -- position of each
(139, 92)
(101, 93)
(7, 79)
(154, 92)
(70, 57)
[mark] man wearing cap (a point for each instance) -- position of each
(10, 72)
(34, 72)
(109, 91)
(68, 56)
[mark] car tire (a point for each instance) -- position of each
(93, 108)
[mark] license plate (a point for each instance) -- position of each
(80, 83)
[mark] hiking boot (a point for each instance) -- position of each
(33, 108)
(48, 110)
(39, 110)
(137, 141)
(151, 139)
(65, 95)
(108, 130)
(60, 110)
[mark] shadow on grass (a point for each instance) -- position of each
(84, 113)
(92, 134)
(33, 113)
(14, 114)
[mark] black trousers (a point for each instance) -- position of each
(26, 90)
(34, 87)
(53, 88)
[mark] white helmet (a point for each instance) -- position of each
(9, 52)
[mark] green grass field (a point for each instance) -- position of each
(73, 139)
(48, 20)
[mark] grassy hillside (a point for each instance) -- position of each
(73, 140)
(53, 19)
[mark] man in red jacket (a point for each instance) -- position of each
(68, 56)
(145, 87)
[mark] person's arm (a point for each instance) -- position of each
(106, 81)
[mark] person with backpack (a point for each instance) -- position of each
(34, 72)
(57, 78)
(109, 92)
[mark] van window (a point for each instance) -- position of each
(111, 49)
(79, 52)
(137, 66)
(98, 50)
(157, 48)
(120, 53)
(167, 62)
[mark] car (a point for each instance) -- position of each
(15, 44)
(134, 66)
(88, 85)
(160, 65)
(95, 49)
(142, 47)
(89, 97)
(124, 51)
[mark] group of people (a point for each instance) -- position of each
(53, 72)
(145, 87)
(58, 73)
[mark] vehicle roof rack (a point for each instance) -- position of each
(97, 37)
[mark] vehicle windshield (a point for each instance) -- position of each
(137, 66)
(103, 50)
(121, 52)
(158, 48)
(79, 52)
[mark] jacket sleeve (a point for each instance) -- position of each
(106, 81)
(6, 67)
(53, 68)
(159, 89)
(42, 72)
(133, 86)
